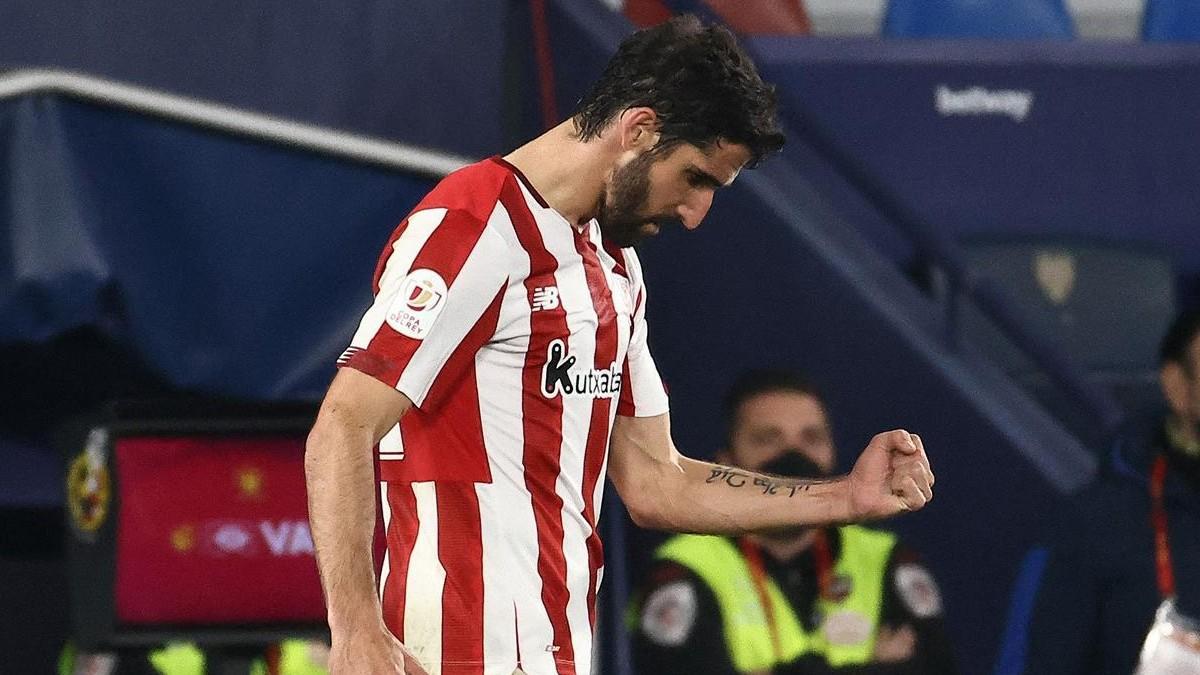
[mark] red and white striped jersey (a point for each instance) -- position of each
(519, 338)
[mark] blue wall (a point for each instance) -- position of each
(426, 72)
(1106, 147)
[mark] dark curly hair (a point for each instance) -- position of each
(697, 79)
(764, 381)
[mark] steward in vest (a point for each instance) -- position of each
(290, 657)
(845, 599)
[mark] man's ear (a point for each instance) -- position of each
(1175, 387)
(639, 128)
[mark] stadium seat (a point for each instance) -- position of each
(1171, 21)
(765, 17)
(761, 17)
(998, 19)
(645, 13)
(1106, 304)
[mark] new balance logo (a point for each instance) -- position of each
(545, 297)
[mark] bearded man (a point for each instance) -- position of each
(504, 369)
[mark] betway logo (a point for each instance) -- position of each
(1014, 103)
(559, 377)
(283, 538)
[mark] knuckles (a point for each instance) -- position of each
(897, 438)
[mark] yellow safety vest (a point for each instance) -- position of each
(185, 658)
(849, 627)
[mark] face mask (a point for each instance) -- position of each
(793, 464)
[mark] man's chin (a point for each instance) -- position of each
(634, 235)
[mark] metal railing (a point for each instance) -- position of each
(229, 120)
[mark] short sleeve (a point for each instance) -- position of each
(439, 285)
(642, 390)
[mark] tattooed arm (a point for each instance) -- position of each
(665, 490)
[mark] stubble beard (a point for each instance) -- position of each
(621, 212)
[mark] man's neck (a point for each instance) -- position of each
(783, 549)
(569, 174)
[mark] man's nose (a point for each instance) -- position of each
(692, 212)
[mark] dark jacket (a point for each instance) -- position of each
(1098, 594)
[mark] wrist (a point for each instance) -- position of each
(349, 624)
(842, 502)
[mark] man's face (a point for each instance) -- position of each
(772, 424)
(1181, 384)
(655, 189)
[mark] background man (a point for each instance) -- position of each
(1107, 570)
(795, 600)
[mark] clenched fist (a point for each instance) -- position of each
(891, 476)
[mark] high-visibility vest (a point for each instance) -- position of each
(185, 658)
(848, 628)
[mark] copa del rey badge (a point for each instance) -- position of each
(418, 304)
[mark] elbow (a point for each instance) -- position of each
(335, 445)
(312, 453)
(648, 508)
(317, 447)
(635, 495)
(648, 490)
(644, 515)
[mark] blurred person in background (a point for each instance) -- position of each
(505, 364)
(1131, 541)
(798, 600)
(290, 657)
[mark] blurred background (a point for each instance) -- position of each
(983, 221)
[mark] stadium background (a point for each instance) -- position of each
(934, 187)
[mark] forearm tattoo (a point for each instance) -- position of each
(766, 484)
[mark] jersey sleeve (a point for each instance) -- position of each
(642, 391)
(439, 285)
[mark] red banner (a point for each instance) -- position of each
(214, 531)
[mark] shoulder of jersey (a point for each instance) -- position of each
(475, 189)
